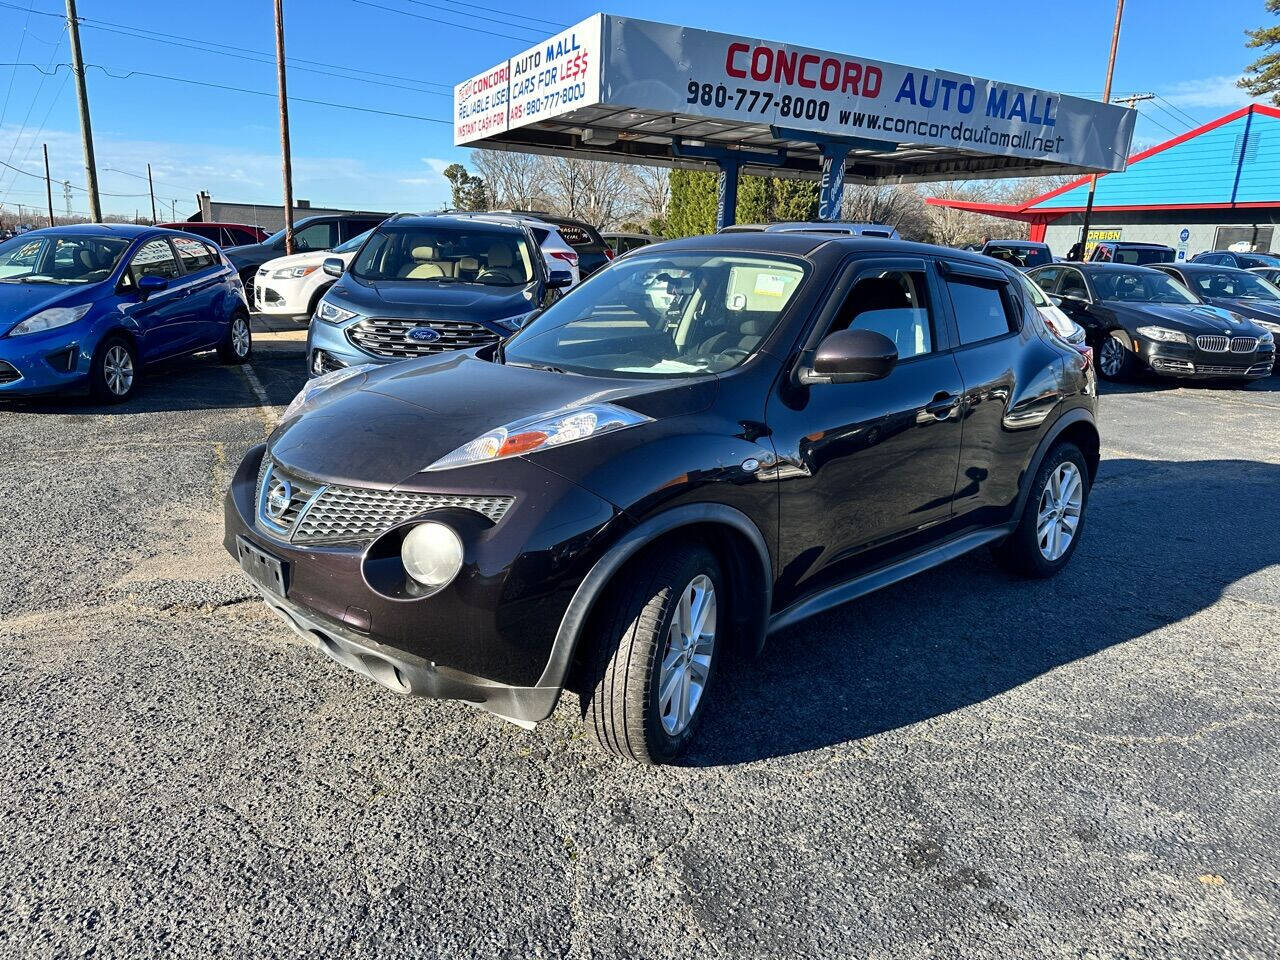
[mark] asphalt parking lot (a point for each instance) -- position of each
(960, 766)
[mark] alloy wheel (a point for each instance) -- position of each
(117, 370)
(240, 337)
(686, 658)
(1061, 502)
(1111, 356)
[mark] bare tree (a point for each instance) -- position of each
(650, 190)
(594, 190)
(898, 205)
(516, 181)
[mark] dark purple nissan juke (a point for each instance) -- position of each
(708, 441)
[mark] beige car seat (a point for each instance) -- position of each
(423, 264)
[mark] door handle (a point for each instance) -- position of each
(942, 406)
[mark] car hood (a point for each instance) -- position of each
(1268, 310)
(393, 423)
(418, 299)
(1194, 318)
(312, 258)
(21, 300)
(249, 254)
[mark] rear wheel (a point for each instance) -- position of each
(1115, 359)
(237, 346)
(656, 653)
(1053, 518)
(114, 373)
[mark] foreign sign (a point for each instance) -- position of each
(1100, 236)
(625, 63)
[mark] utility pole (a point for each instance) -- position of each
(48, 184)
(152, 187)
(82, 98)
(173, 211)
(66, 196)
(1106, 98)
(286, 159)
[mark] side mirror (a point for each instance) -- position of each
(854, 356)
(333, 266)
(149, 285)
(558, 279)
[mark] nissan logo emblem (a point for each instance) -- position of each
(279, 496)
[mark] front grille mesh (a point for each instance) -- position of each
(338, 514)
(9, 373)
(390, 338)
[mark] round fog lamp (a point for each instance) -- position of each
(432, 554)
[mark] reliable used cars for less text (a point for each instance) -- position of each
(711, 440)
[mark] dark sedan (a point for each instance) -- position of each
(1242, 261)
(1240, 291)
(710, 441)
(1138, 317)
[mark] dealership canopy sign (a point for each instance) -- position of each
(633, 89)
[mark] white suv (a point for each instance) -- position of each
(292, 286)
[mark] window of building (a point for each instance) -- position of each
(1243, 239)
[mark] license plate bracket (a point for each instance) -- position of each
(267, 571)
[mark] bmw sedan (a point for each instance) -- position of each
(1242, 292)
(709, 441)
(85, 307)
(1140, 318)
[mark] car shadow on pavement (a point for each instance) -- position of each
(1150, 383)
(1163, 541)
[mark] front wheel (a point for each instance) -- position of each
(656, 653)
(114, 373)
(1115, 359)
(237, 346)
(1053, 518)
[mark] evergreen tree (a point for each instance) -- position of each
(1262, 77)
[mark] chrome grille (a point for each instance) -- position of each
(338, 514)
(1244, 344)
(390, 338)
(1213, 344)
(1216, 370)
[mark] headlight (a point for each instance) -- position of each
(518, 321)
(542, 431)
(50, 319)
(1163, 334)
(331, 313)
(292, 273)
(432, 554)
(323, 383)
(1267, 337)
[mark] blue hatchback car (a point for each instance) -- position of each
(86, 306)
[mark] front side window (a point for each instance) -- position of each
(662, 316)
(316, 236)
(1046, 278)
(154, 259)
(894, 303)
(982, 309)
(60, 259)
(195, 255)
(431, 254)
(1141, 286)
(1073, 286)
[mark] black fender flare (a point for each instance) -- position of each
(602, 572)
(1068, 419)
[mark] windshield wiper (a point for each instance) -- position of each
(537, 366)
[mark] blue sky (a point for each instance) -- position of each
(1188, 51)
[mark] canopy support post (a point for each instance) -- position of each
(831, 196)
(730, 163)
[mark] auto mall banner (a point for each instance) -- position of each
(660, 68)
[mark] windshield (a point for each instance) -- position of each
(1141, 286)
(435, 254)
(60, 259)
(1233, 285)
(352, 245)
(1140, 255)
(669, 316)
(1019, 255)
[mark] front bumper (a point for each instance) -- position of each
(489, 637)
(289, 298)
(329, 349)
(57, 361)
(1184, 360)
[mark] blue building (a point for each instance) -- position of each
(1213, 188)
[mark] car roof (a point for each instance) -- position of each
(185, 224)
(1102, 266)
(124, 230)
(1203, 267)
(803, 244)
(1016, 243)
(1133, 243)
(799, 226)
(498, 223)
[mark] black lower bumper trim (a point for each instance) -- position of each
(412, 676)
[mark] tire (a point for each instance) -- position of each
(628, 711)
(113, 377)
(1113, 359)
(237, 345)
(247, 278)
(1024, 553)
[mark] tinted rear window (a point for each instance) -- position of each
(577, 236)
(1019, 255)
(1141, 255)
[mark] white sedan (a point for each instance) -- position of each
(292, 286)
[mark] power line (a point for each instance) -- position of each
(476, 6)
(444, 23)
(74, 186)
(1194, 122)
(5, 109)
(1147, 116)
(474, 16)
(34, 100)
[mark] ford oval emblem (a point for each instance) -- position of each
(424, 335)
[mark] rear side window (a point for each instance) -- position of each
(894, 303)
(1073, 286)
(983, 310)
(195, 255)
(576, 236)
(1045, 279)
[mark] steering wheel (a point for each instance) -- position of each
(486, 276)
